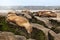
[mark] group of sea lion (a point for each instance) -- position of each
(45, 14)
(24, 22)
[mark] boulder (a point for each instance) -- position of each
(53, 35)
(20, 37)
(10, 36)
(7, 36)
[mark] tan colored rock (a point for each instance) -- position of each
(20, 37)
(54, 35)
(42, 28)
(7, 36)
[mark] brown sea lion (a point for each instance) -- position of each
(19, 20)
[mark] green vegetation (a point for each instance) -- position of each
(3, 24)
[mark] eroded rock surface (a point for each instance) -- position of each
(7, 36)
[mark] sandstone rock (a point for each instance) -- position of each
(42, 28)
(53, 35)
(10, 36)
(45, 20)
(30, 39)
(20, 37)
(56, 19)
(7, 36)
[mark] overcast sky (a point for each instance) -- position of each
(30, 2)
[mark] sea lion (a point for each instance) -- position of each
(19, 20)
